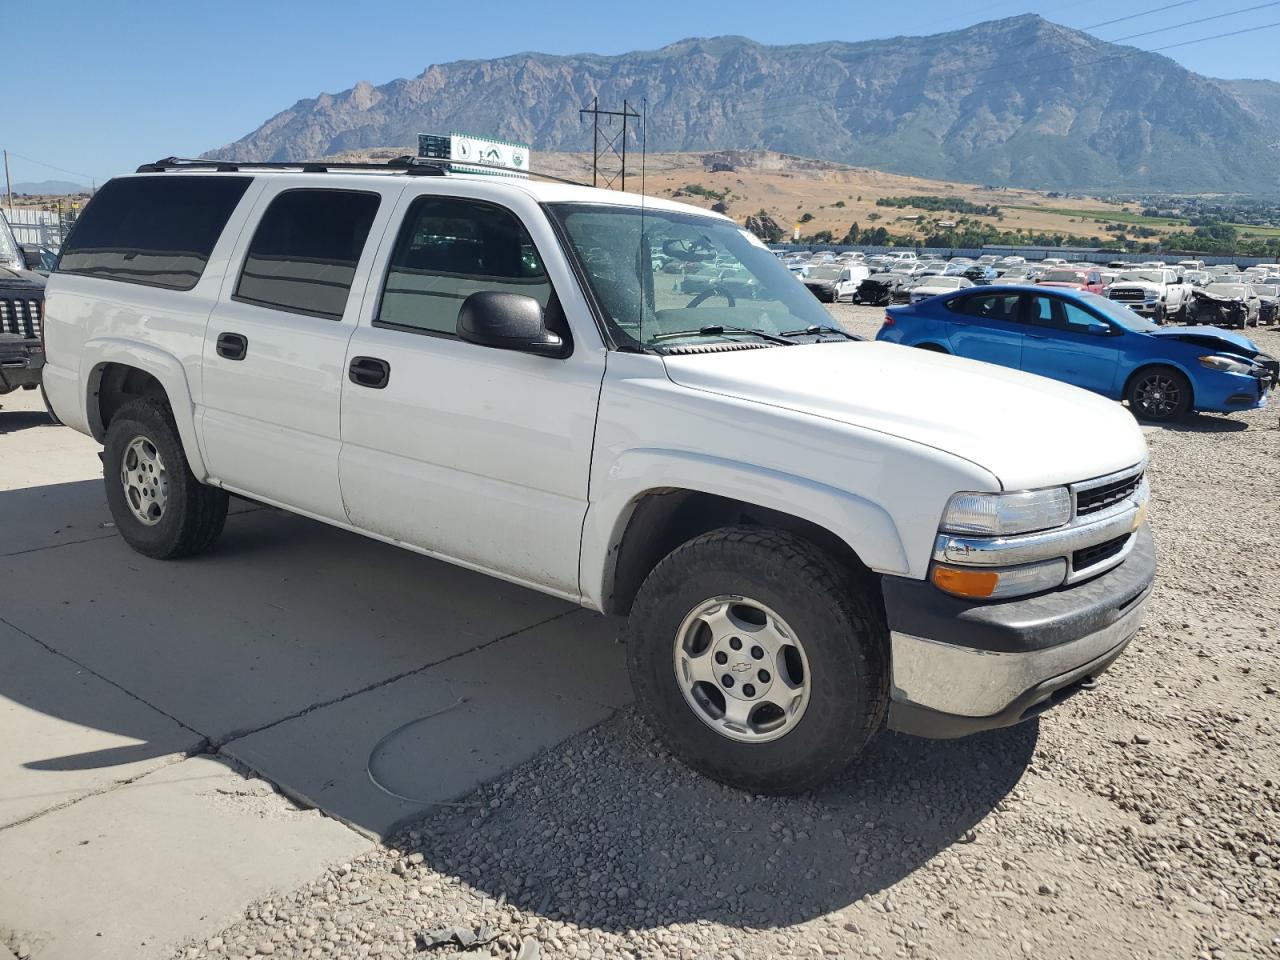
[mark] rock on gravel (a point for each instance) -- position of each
(1139, 820)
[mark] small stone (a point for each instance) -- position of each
(266, 948)
(1141, 739)
(214, 945)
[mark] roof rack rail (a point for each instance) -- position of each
(409, 165)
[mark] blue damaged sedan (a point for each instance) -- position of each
(1095, 343)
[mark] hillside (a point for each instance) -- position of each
(978, 105)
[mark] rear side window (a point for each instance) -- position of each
(998, 306)
(156, 230)
(304, 253)
(450, 248)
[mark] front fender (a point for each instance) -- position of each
(166, 368)
(865, 526)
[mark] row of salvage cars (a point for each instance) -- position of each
(1186, 294)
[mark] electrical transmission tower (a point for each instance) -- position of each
(614, 144)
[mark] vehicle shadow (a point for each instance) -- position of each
(611, 832)
(11, 421)
(1201, 423)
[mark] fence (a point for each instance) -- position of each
(1074, 254)
(44, 228)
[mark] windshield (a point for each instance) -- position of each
(1118, 313)
(9, 255)
(1064, 276)
(1226, 289)
(725, 276)
(1142, 276)
(824, 273)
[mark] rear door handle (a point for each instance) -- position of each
(369, 372)
(232, 346)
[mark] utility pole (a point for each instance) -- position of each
(8, 187)
(615, 144)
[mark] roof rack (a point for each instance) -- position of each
(409, 165)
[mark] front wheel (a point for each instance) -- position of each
(1161, 394)
(758, 659)
(158, 505)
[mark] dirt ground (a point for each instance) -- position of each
(1138, 820)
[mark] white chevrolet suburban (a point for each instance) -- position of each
(813, 536)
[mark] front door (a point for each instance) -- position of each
(1066, 342)
(276, 344)
(478, 455)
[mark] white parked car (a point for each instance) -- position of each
(1156, 292)
(812, 536)
(835, 282)
(932, 286)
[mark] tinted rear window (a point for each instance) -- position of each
(157, 230)
(304, 254)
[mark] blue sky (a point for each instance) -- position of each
(109, 85)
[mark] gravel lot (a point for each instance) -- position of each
(1140, 820)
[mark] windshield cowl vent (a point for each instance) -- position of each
(713, 348)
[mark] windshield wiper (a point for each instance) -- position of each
(719, 330)
(818, 330)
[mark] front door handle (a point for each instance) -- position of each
(233, 346)
(1036, 336)
(369, 372)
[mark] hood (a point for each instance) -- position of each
(21, 279)
(1135, 285)
(1029, 431)
(1211, 338)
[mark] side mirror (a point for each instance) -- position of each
(1097, 328)
(508, 321)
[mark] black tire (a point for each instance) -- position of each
(842, 632)
(194, 514)
(1160, 394)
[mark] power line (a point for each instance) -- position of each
(1135, 16)
(40, 163)
(1192, 23)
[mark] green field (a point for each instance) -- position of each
(1110, 216)
(1249, 231)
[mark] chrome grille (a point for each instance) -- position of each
(21, 316)
(1128, 296)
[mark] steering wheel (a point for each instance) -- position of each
(713, 290)
(690, 251)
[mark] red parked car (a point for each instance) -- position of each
(1088, 281)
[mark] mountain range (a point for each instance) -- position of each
(1020, 101)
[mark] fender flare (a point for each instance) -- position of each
(166, 368)
(865, 526)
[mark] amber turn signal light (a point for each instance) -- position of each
(965, 583)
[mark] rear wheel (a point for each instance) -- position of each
(159, 507)
(1159, 393)
(758, 660)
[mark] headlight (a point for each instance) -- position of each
(992, 583)
(1225, 364)
(1001, 514)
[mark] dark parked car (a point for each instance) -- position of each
(876, 290)
(37, 258)
(21, 317)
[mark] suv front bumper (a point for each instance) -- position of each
(21, 360)
(960, 666)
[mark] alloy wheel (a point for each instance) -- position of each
(742, 669)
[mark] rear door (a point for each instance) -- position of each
(276, 343)
(987, 326)
(1059, 345)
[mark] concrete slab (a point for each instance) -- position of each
(285, 613)
(68, 734)
(35, 451)
(173, 856)
(523, 695)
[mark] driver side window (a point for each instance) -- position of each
(449, 248)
